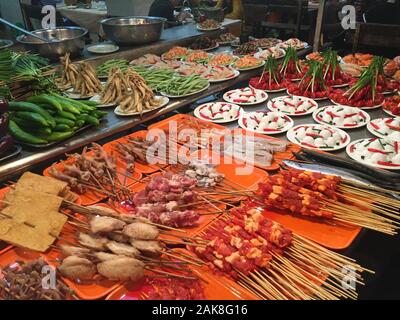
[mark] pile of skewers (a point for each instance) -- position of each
(269, 260)
(118, 247)
(324, 196)
(24, 281)
(90, 171)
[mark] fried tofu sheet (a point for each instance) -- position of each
(32, 220)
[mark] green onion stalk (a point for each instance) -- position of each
(368, 77)
(314, 75)
(272, 68)
(291, 61)
(331, 62)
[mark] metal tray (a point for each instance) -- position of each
(16, 149)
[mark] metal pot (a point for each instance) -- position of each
(66, 39)
(133, 30)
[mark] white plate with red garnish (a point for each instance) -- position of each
(220, 73)
(392, 106)
(275, 52)
(265, 122)
(218, 112)
(245, 96)
(318, 137)
(300, 95)
(342, 117)
(293, 42)
(364, 108)
(375, 152)
(293, 105)
(268, 91)
(386, 128)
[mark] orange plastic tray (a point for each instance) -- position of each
(335, 236)
(277, 157)
(233, 170)
(144, 168)
(91, 197)
(93, 289)
(214, 289)
(164, 124)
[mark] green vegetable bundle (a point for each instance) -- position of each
(50, 118)
(103, 69)
(180, 86)
(157, 79)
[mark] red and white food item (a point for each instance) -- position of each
(218, 112)
(242, 243)
(291, 67)
(175, 53)
(392, 105)
(190, 68)
(169, 64)
(375, 152)
(265, 122)
(387, 128)
(204, 172)
(362, 99)
(221, 59)
(255, 150)
(275, 52)
(318, 136)
(220, 73)
(146, 60)
(299, 192)
(173, 289)
(161, 199)
(341, 116)
(292, 42)
(293, 105)
(245, 96)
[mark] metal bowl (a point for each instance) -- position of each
(66, 39)
(133, 30)
(5, 43)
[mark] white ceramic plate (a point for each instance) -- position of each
(315, 99)
(371, 108)
(76, 96)
(103, 48)
(345, 137)
(263, 95)
(97, 98)
(164, 102)
(186, 95)
(275, 108)
(197, 111)
(363, 114)
(268, 91)
(355, 156)
(288, 122)
(236, 74)
(370, 127)
(249, 68)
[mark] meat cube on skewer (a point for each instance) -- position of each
(102, 224)
(150, 248)
(122, 249)
(141, 231)
(92, 242)
(119, 237)
(77, 268)
(122, 269)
